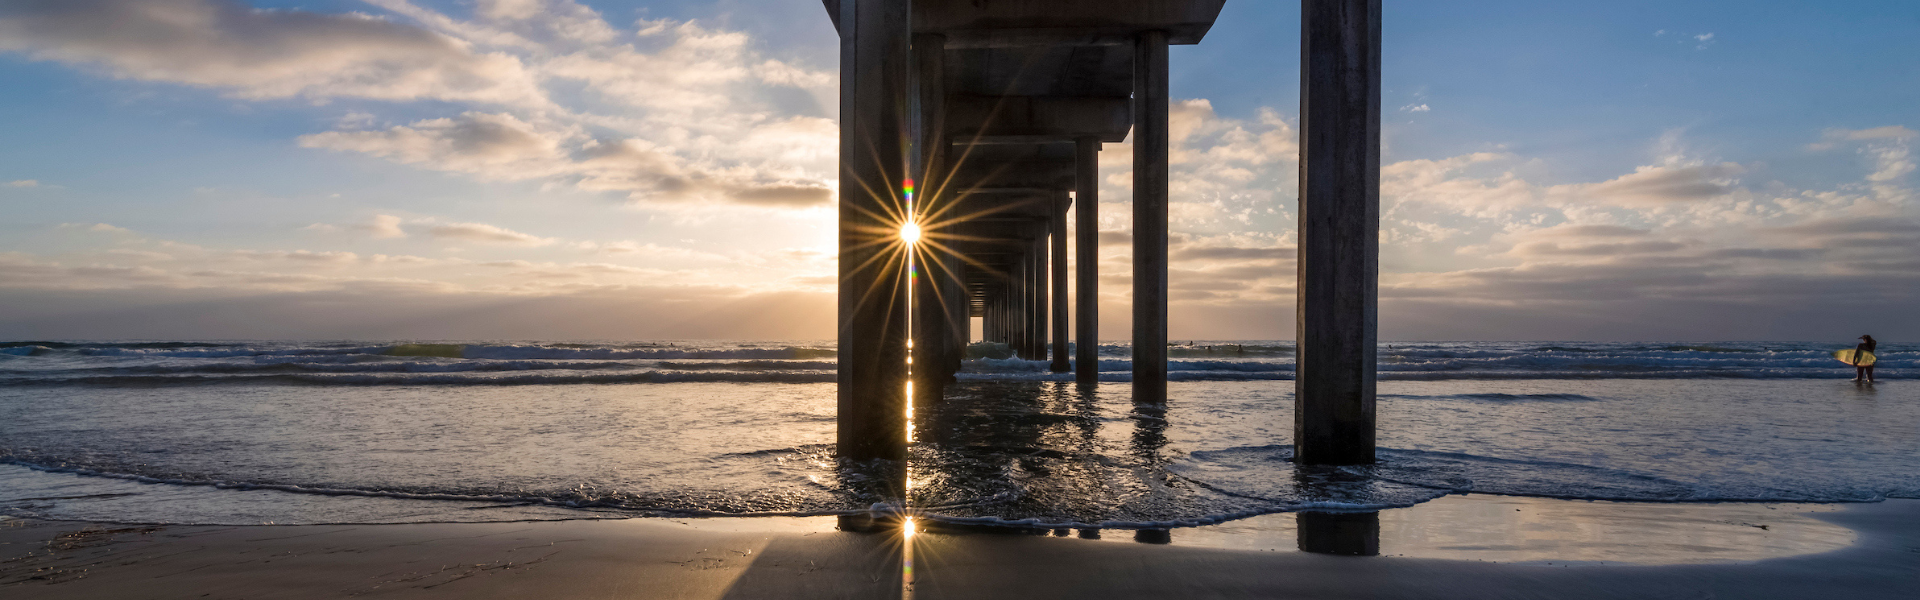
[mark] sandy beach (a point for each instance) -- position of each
(1877, 556)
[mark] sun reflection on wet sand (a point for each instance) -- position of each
(906, 558)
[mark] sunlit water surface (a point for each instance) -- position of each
(362, 432)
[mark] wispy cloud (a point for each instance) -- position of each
(96, 228)
(255, 53)
(481, 232)
(671, 113)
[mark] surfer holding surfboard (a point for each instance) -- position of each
(1861, 357)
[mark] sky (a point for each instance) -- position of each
(563, 169)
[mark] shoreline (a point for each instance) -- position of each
(1463, 545)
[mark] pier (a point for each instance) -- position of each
(970, 136)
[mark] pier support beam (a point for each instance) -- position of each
(932, 323)
(1339, 252)
(875, 83)
(1150, 218)
(990, 322)
(960, 314)
(1017, 304)
(1057, 253)
(1086, 247)
(1037, 258)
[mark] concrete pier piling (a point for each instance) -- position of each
(932, 323)
(873, 318)
(1339, 252)
(1086, 214)
(1150, 218)
(1057, 255)
(1037, 304)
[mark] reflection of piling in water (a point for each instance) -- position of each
(1153, 536)
(1343, 533)
(1149, 432)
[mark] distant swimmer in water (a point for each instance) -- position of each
(1861, 353)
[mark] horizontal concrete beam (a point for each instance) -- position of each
(991, 37)
(1066, 71)
(1008, 23)
(1037, 119)
(982, 23)
(1034, 174)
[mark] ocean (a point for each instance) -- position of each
(383, 432)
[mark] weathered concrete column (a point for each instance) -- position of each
(1017, 309)
(1016, 306)
(1057, 253)
(993, 322)
(1086, 246)
(931, 323)
(1339, 257)
(959, 318)
(1009, 310)
(1037, 259)
(1150, 218)
(1003, 303)
(874, 89)
(990, 322)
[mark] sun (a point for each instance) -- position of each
(910, 233)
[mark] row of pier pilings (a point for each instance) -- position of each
(980, 125)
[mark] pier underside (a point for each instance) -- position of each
(980, 123)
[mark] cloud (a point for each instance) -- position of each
(1226, 172)
(489, 144)
(1894, 162)
(1603, 249)
(501, 146)
(378, 227)
(1831, 138)
(1656, 185)
(1589, 231)
(97, 228)
(23, 183)
(1416, 108)
(480, 232)
(384, 227)
(416, 310)
(675, 114)
(259, 54)
(304, 256)
(1224, 250)
(1890, 149)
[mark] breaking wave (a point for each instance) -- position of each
(489, 363)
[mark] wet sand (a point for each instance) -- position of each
(1461, 546)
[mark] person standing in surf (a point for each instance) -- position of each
(1860, 371)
